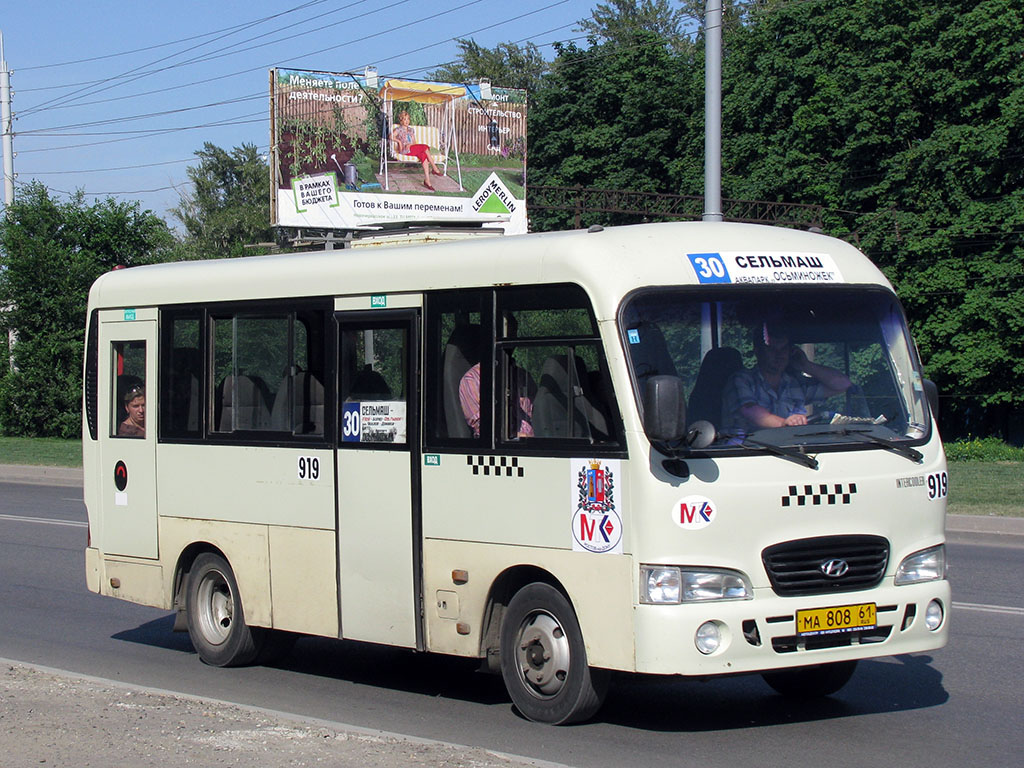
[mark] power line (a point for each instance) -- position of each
(135, 71)
(44, 131)
(114, 168)
(221, 52)
(165, 45)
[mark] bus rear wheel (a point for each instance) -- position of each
(811, 682)
(544, 660)
(216, 621)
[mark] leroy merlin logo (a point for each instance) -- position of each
(494, 197)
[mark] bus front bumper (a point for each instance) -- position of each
(761, 634)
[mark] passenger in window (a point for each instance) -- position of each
(777, 391)
(135, 406)
(469, 398)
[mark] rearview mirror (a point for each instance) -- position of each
(664, 408)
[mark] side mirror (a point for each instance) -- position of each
(932, 393)
(664, 408)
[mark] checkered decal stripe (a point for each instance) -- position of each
(817, 495)
(498, 466)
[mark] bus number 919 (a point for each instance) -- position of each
(309, 468)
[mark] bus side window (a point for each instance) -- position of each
(373, 386)
(458, 366)
(181, 373)
(556, 383)
(128, 411)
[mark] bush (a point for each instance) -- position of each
(983, 449)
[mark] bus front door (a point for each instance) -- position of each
(377, 469)
(127, 494)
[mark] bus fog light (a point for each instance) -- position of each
(933, 615)
(708, 637)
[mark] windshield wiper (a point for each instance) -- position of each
(903, 450)
(793, 454)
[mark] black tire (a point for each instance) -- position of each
(544, 660)
(216, 621)
(811, 682)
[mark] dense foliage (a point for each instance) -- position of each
(507, 65)
(229, 206)
(50, 253)
(983, 449)
(616, 117)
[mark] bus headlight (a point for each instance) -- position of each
(926, 565)
(671, 585)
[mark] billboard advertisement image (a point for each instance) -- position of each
(354, 151)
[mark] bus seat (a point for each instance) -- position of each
(186, 367)
(461, 353)
(706, 397)
(650, 353)
(243, 406)
(562, 408)
(307, 412)
(368, 384)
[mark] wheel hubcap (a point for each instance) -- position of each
(542, 654)
(216, 607)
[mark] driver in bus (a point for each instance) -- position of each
(777, 391)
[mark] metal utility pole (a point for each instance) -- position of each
(713, 111)
(6, 126)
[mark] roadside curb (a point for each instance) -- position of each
(40, 475)
(1013, 526)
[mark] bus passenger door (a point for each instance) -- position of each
(127, 360)
(379, 550)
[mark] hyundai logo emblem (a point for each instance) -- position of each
(835, 569)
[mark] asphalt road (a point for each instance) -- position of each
(958, 706)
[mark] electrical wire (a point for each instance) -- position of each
(91, 59)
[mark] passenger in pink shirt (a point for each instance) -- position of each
(469, 398)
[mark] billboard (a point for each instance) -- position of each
(351, 151)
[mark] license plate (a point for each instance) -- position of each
(828, 621)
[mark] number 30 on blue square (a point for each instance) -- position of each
(710, 267)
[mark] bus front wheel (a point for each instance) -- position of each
(811, 682)
(544, 661)
(216, 622)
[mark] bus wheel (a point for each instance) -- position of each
(811, 682)
(544, 661)
(216, 622)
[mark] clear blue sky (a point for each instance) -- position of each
(139, 86)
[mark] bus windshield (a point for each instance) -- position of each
(789, 366)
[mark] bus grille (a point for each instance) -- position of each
(798, 567)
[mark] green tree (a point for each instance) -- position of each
(50, 253)
(507, 65)
(229, 205)
(619, 21)
(909, 126)
(617, 117)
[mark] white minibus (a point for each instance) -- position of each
(692, 449)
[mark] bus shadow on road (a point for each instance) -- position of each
(894, 684)
(644, 702)
(357, 663)
(157, 633)
(398, 669)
